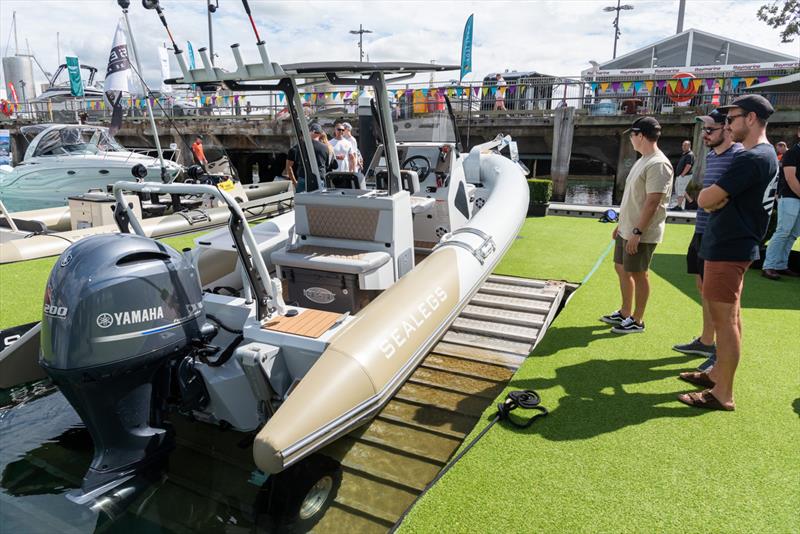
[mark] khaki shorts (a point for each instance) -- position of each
(680, 184)
(723, 280)
(637, 263)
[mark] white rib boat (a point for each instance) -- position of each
(310, 322)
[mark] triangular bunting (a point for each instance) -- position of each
(593, 85)
(661, 84)
(615, 86)
(626, 86)
(685, 82)
(672, 84)
(697, 84)
(424, 91)
(749, 81)
(735, 82)
(484, 91)
(637, 86)
(604, 86)
(710, 83)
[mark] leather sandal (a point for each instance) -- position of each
(698, 378)
(705, 400)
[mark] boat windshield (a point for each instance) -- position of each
(76, 140)
(436, 127)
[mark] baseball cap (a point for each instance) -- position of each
(752, 103)
(315, 127)
(347, 126)
(645, 125)
(715, 117)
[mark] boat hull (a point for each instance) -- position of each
(370, 359)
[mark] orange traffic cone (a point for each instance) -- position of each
(715, 98)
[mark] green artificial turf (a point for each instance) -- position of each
(22, 285)
(618, 452)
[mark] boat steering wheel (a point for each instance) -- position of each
(422, 171)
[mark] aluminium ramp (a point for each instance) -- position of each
(389, 461)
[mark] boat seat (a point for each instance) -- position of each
(338, 260)
(421, 204)
(409, 180)
(345, 180)
(26, 225)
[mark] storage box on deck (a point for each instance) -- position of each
(97, 209)
(320, 290)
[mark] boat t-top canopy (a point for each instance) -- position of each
(356, 67)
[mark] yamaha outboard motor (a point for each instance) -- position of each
(117, 309)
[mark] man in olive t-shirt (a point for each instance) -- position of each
(642, 218)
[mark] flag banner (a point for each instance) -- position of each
(466, 49)
(672, 84)
(685, 82)
(424, 91)
(74, 71)
(615, 86)
(593, 85)
(459, 91)
(484, 91)
(626, 86)
(348, 94)
(163, 59)
(762, 79)
(494, 90)
(648, 84)
(604, 86)
(118, 75)
(735, 82)
(280, 96)
(637, 86)
(512, 89)
(697, 84)
(749, 81)
(710, 83)
(661, 84)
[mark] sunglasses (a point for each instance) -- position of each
(339, 129)
(730, 118)
(709, 131)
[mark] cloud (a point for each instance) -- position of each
(554, 37)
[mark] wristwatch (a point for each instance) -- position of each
(636, 231)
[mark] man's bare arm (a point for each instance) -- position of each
(651, 203)
(712, 197)
(790, 173)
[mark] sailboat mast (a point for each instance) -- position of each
(147, 98)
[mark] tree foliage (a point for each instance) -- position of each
(786, 17)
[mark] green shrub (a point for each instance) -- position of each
(541, 190)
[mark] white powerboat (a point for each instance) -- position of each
(62, 160)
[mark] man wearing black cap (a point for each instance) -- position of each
(740, 204)
(294, 170)
(722, 149)
(642, 218)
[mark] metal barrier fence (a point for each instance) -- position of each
(525, 97)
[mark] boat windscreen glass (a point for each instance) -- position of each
(434, 127)
(76, 141)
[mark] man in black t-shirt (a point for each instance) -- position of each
(683, 175)
(788, 228)
(294, 163)
(740, 204)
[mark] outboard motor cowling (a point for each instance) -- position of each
(117, 309)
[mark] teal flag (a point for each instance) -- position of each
(466, 49)
(75, 82)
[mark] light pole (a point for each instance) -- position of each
(212, 8)
(360, 32)
(617, 33)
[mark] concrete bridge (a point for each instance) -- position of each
(550, 141)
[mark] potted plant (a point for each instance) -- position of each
(540, 192)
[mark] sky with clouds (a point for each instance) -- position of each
(554, 37)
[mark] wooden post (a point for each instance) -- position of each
(563, 130)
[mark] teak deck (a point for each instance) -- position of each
(310, 323)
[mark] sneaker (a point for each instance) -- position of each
(696, 347)
(613, 318)
(708, 364)
(629, 326)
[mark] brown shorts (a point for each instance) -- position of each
(723, 280)
(639, 262)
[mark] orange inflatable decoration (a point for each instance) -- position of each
(681, 93)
